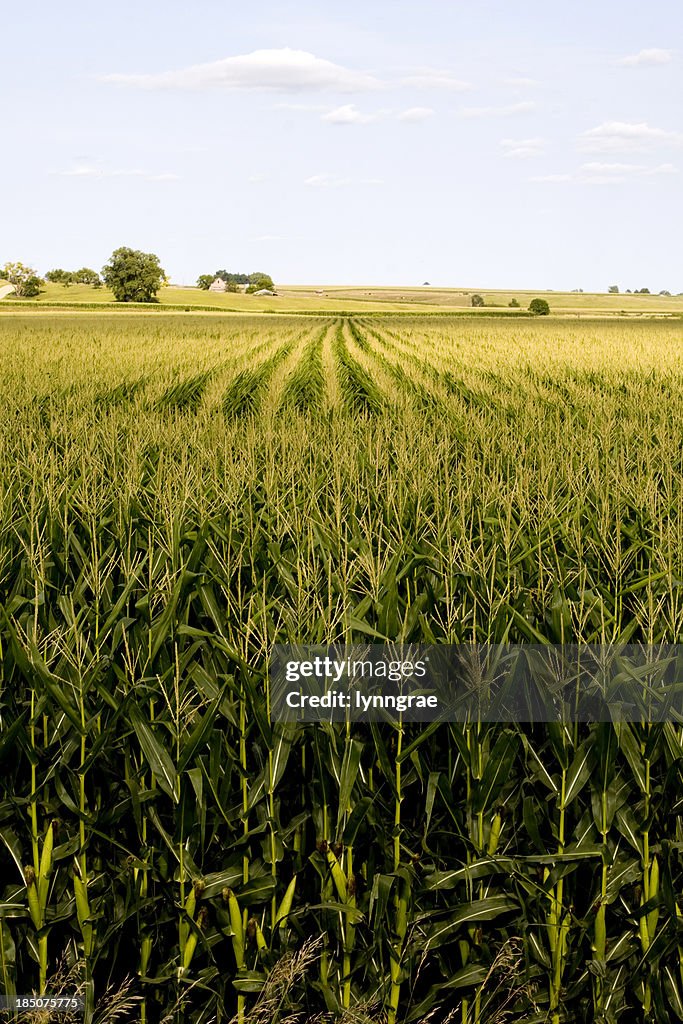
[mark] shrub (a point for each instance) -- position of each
(477, 300)
(513, 302)
(31, 287)
(539, 307)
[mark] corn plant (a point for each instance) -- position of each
(177, 494)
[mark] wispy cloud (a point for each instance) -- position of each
(434, 78)
(618, 168)
(599, 173)
(521, 82)
(349, 114)
(334, 181)
(547, 178)
(306, 107)
(522, 148)
(415, 114)
(646, 58)
(283, 70)
(509, 110)
(92, 171)
(625, 136)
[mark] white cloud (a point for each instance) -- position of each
(616, 168)
(521, 82)
(333, 181)
(625, 136)
(81, 171)
(415, 114)
(348, 114)
(646, 57)
(505, 111)
(551, 177)
(599, 173)
(283, 70)
(433, 78)
(522, 148)
(91, 171)
(308, 107)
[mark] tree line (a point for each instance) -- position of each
(254, 282)
(132, 275)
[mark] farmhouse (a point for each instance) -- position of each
(217, 285)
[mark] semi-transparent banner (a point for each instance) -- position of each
(477, 682)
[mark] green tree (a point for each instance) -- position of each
(86, 276)
(23, 278)
(514, 303)
(539, 307)
(477, 300)
(133, 276)
(204, 281)
(31, 287)
(228, 276)
(613, 289)
(259, 280)
(59, 276)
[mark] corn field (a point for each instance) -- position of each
(179, 493)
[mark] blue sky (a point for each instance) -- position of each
(484, 144)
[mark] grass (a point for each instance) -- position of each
(342, 299)
(178, 493)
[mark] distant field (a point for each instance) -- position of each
(365, 298)
(462, 298)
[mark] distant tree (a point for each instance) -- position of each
(31, 287)
(259, 280)
(204, 281)
(628, 291)
(644, 291)
(513, 302)
(477, 300)
(232, 286)
(255, 281)
(133, 276)
(59, 276)
(231, 277)
(23, 278)
(665, 292)
(539, 307)
(613, 289)
(86, 276)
